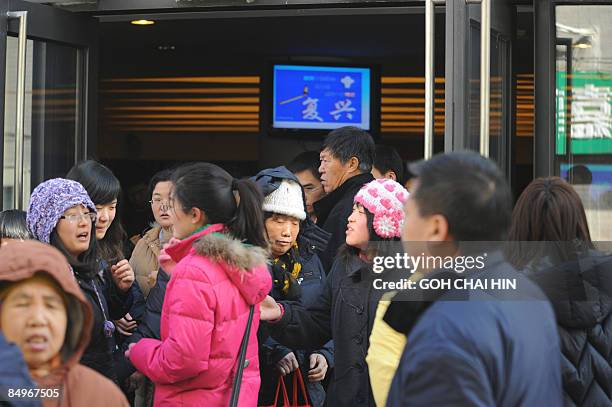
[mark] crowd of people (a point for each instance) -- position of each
(259, 291)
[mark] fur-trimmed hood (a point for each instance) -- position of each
(242, 263)
(223, 248)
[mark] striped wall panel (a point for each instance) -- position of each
(232, 104)
(181, 104)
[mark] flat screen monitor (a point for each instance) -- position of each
(321, 97)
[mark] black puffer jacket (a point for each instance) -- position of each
(581, 294)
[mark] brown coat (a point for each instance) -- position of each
(144, 258)
(78, 385)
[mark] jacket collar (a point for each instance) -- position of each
(152, 235)
(354, 266)
(183, 247)
(325, 205)
(407, 307)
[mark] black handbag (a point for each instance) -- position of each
(241, 360)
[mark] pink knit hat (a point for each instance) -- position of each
(385, 199)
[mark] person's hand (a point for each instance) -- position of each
(129, 349)
(134, 381)
(152, 278)
(126, 325)
(287, 364)
(123, 275)
(269, 309)
(318, 367)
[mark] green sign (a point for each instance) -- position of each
(561, 112)
(590, 113)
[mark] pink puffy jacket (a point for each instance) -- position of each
(203, 319)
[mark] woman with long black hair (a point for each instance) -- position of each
(61, 213)
(114, 248)
(220, 251)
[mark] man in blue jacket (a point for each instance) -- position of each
(473, 343)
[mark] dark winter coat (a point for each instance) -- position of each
(149, 325)
(312, 280)
(312, 241)
(99, 352)
(344, 312)
(581, 294)
(333, 211)
(478, 347)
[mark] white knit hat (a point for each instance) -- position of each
(286, 200)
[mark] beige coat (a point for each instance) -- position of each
(144, 258)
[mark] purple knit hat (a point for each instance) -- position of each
(48, 202)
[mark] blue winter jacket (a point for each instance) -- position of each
(14, 374)
(479, 348)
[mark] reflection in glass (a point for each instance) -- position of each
(51, 114)
(584, 109)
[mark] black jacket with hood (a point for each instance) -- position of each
(311, 240)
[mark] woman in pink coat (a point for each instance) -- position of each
(220, 272)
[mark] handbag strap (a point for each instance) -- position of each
(241, 359)
(281, 385)
(299, 379)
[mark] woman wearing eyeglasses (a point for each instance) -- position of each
(151, 278)
(62, 214)
(144, 258)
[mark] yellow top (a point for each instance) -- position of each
(386, 347)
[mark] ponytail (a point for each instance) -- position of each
(235, 203)
(248, 223)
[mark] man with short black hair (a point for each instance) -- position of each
(388, 164)
(305, 166)
(478, 346)
(346, 158)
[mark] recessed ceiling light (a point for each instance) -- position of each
(582, 46)
(142, 22)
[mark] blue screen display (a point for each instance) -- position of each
(318, 97)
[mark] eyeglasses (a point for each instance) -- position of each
(164, 206)
(91, 216)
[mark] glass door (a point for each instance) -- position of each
(479, 78)
(49, 95)
(583, 109)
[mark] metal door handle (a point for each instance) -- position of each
(485, 75)
(485, 72)
(20, 123)
(430, 38)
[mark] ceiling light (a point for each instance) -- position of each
(142, 22)
(583, 42)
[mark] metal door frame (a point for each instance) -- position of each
(55, 25)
